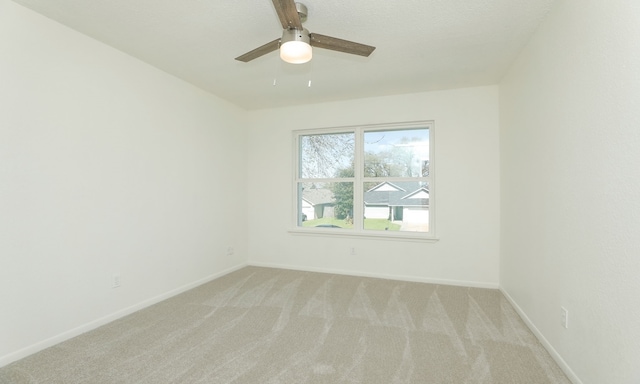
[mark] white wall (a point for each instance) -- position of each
(107, 165)
(467, 185)
(570, 139)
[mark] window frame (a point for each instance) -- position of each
(359, 180)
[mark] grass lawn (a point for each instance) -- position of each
(380, 225)
(327, 221)
(374, 224)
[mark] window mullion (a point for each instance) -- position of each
(358, 204)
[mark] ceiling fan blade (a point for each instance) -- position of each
(335, 44)
(262, 50)
(288, 14)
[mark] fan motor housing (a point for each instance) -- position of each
(295, 35)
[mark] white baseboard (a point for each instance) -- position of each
(39, 346)
(417, 279)
(552, 351)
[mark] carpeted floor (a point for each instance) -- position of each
(262, 325)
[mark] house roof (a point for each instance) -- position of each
(404, 193)
(317, 196)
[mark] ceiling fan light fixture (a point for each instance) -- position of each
(296, 41)
(295, 47)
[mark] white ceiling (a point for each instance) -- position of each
(421, 45)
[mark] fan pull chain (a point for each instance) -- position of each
(310, 74)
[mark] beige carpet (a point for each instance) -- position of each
(261, 325)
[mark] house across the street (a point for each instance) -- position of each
(406, 202)
(317, 203)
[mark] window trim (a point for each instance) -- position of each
(359, 180)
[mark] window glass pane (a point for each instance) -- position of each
(396, 153)
(327, 156)
(325, 205)
(396, 206)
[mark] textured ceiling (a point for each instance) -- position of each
(421, 45)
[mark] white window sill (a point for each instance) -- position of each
(378, 235)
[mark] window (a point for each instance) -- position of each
(368, 180)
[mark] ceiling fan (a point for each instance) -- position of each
(296, 41)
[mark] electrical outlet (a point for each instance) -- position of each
(230, 251)
(115, 283)
(564, 316)
(353, 251)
